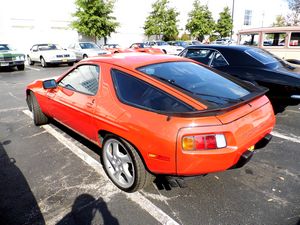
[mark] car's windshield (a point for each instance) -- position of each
(88, 45)
(200, 82)
(113, 46)
(48, 47)
(5, 47)
(181, 43)
(160, 43)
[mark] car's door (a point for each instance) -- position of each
(78, 51)
(73, 101)
(34, 53)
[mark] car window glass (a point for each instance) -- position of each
(218, 60)
(261, 55)
(200, 55)
(4, 47)
(138, 93)
(274, 39)
(198, 81)
(84, 79)
(295, 39)
(34, 48)
(249, 39)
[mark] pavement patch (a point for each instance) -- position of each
(136, 197)
(295, 139)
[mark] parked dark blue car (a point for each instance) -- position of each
(250, 64)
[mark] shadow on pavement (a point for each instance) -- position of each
(87, 210)
(17, 203)
(279, 105)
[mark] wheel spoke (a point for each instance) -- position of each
(127, 173)
(115, 149)
(125, 159)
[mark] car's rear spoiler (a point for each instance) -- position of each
(217, 111)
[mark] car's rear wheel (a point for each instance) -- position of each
(123, 165)
(39, 118)
(30, 62)
(43, 62)
(84, 56)
(21, 67)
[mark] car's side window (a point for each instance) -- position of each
(135, 92)
(84, 79)
(218, 60)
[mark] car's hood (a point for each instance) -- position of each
(96, 50)
(57, 52)
(10, 53)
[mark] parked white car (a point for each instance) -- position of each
(84, 50)
(165, 47)
(50, 54)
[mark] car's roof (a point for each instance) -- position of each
(223, 47)
(134, 60)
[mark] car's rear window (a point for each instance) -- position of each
(261, 55)
(203, 84)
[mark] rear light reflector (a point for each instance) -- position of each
(203, 142)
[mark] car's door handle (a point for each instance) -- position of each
(90, 104)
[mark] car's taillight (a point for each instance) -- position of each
(203, 142)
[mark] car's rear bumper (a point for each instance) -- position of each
(247, 155)
(241, 135)
(61, 61)
(11, 63)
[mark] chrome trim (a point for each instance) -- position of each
(295, 96)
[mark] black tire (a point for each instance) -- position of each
(30, 62)
(21, 67)
(39, 118)
(84, 56)
(141, 176)
(164, 51)
(43, 62)
(70, 63)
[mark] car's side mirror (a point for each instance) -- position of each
(49, 84)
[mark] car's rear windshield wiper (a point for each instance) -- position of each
(173, 82)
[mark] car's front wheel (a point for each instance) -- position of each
(39, 118)
(30, 62)
(21, 67)
(43, 62)
(123, 165)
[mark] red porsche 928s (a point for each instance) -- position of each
(156, 115)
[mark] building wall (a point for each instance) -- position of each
(24, 23)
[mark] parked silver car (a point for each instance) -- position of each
(86, 49)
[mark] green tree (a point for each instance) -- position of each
(224, 24)
(293, 18)
(200, 21)
(279, 21)
(162, 21)
(94, 18)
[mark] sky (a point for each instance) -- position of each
(131, 15)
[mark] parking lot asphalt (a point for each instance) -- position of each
(43, 181)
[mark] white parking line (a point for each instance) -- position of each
(136, 197)
(12, 109)
(283, 136)
(32, 68)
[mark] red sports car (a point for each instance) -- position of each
(156, 114)
(142, 47)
